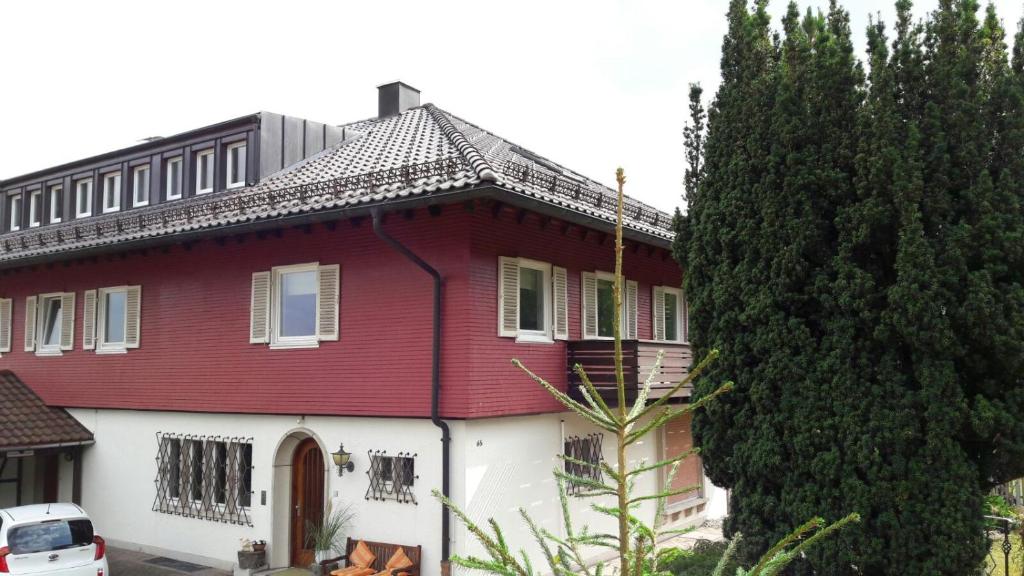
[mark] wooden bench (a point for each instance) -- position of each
(382, 550)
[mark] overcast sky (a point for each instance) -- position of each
(592, 85)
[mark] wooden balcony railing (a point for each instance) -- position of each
(638, 356)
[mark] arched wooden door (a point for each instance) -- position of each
(307, 499)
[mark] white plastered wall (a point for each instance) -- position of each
(506, 463)
(120, 468)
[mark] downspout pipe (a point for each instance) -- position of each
(435, 374)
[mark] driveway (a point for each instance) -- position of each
(130, 563)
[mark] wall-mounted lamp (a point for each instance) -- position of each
(343, 460)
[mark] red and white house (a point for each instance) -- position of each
(223, 309)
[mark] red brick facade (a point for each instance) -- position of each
(195, 353)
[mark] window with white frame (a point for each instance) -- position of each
(236, 165)
(204, 477)
(14, 212)
(295, 306)
(669, 314)
(49, 323)
(204, 172)
(598, 313)
(35, 208)
(111, 192)
(83, 198)
(532, 300)
(172, 187)
(56, 203)
(140, 186)
(112, 319)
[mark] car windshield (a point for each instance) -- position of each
(50, 535)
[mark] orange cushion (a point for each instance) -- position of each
(362, 556)
(353, 571)
(398, 560)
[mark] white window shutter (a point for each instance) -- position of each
(259, 309)
(6, 306)
(508, 296)
(89, 320)
(560, 293)
(588, 297)
(67, 321)
(631, 309)
(133, 316)
(328, 295)
(658, 312)
(30, 324)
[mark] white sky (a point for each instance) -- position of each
(591, 84)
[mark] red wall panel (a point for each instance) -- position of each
(500, 388)
(195, 354)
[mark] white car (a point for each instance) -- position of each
(50, 539)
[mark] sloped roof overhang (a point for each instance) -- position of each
(484, 191)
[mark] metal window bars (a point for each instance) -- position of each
(392, 477)
(204, 477)
(586, 455)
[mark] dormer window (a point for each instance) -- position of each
(14, 211)
(112, 192)
(56, 203)
(83, 198)
(204, 172)
(236, 165)
(35, 208)
(140, 186)
(173, 185)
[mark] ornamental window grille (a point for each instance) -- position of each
(204, 477)
(392, 477)
(583, 458)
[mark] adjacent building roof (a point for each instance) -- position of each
(27, 423)
(423, 152)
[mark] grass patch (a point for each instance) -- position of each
(995, 564)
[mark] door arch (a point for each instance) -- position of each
(307, 499)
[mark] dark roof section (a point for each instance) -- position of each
(27, 423)
(147, 144)
(424, 152)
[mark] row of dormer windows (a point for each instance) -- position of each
(140, 188)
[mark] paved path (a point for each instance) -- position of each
(130, 563)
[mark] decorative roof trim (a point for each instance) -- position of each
(483, 168)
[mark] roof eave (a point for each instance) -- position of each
(488, 191)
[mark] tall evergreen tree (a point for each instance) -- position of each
(863, 269)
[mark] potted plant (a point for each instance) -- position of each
(327, 538)
(253, 554)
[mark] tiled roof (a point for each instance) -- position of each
(26, 422)
(420, 152)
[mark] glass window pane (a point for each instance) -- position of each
(245, 471)
(221, 478)
(197, 470)
(174, 484)
(113, 327)
(605, 308)
(531, 299)
(174, 178)
(671, 316)
(47, 536)
(298, 304)
(52, 322)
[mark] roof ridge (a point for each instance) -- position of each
(480, 165)
(588, 180)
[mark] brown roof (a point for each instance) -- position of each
(26, 422)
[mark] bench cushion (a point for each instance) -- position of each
(362, 556)
(398, 560)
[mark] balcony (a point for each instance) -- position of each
(598, 360)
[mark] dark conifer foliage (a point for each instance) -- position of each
(854, 245)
